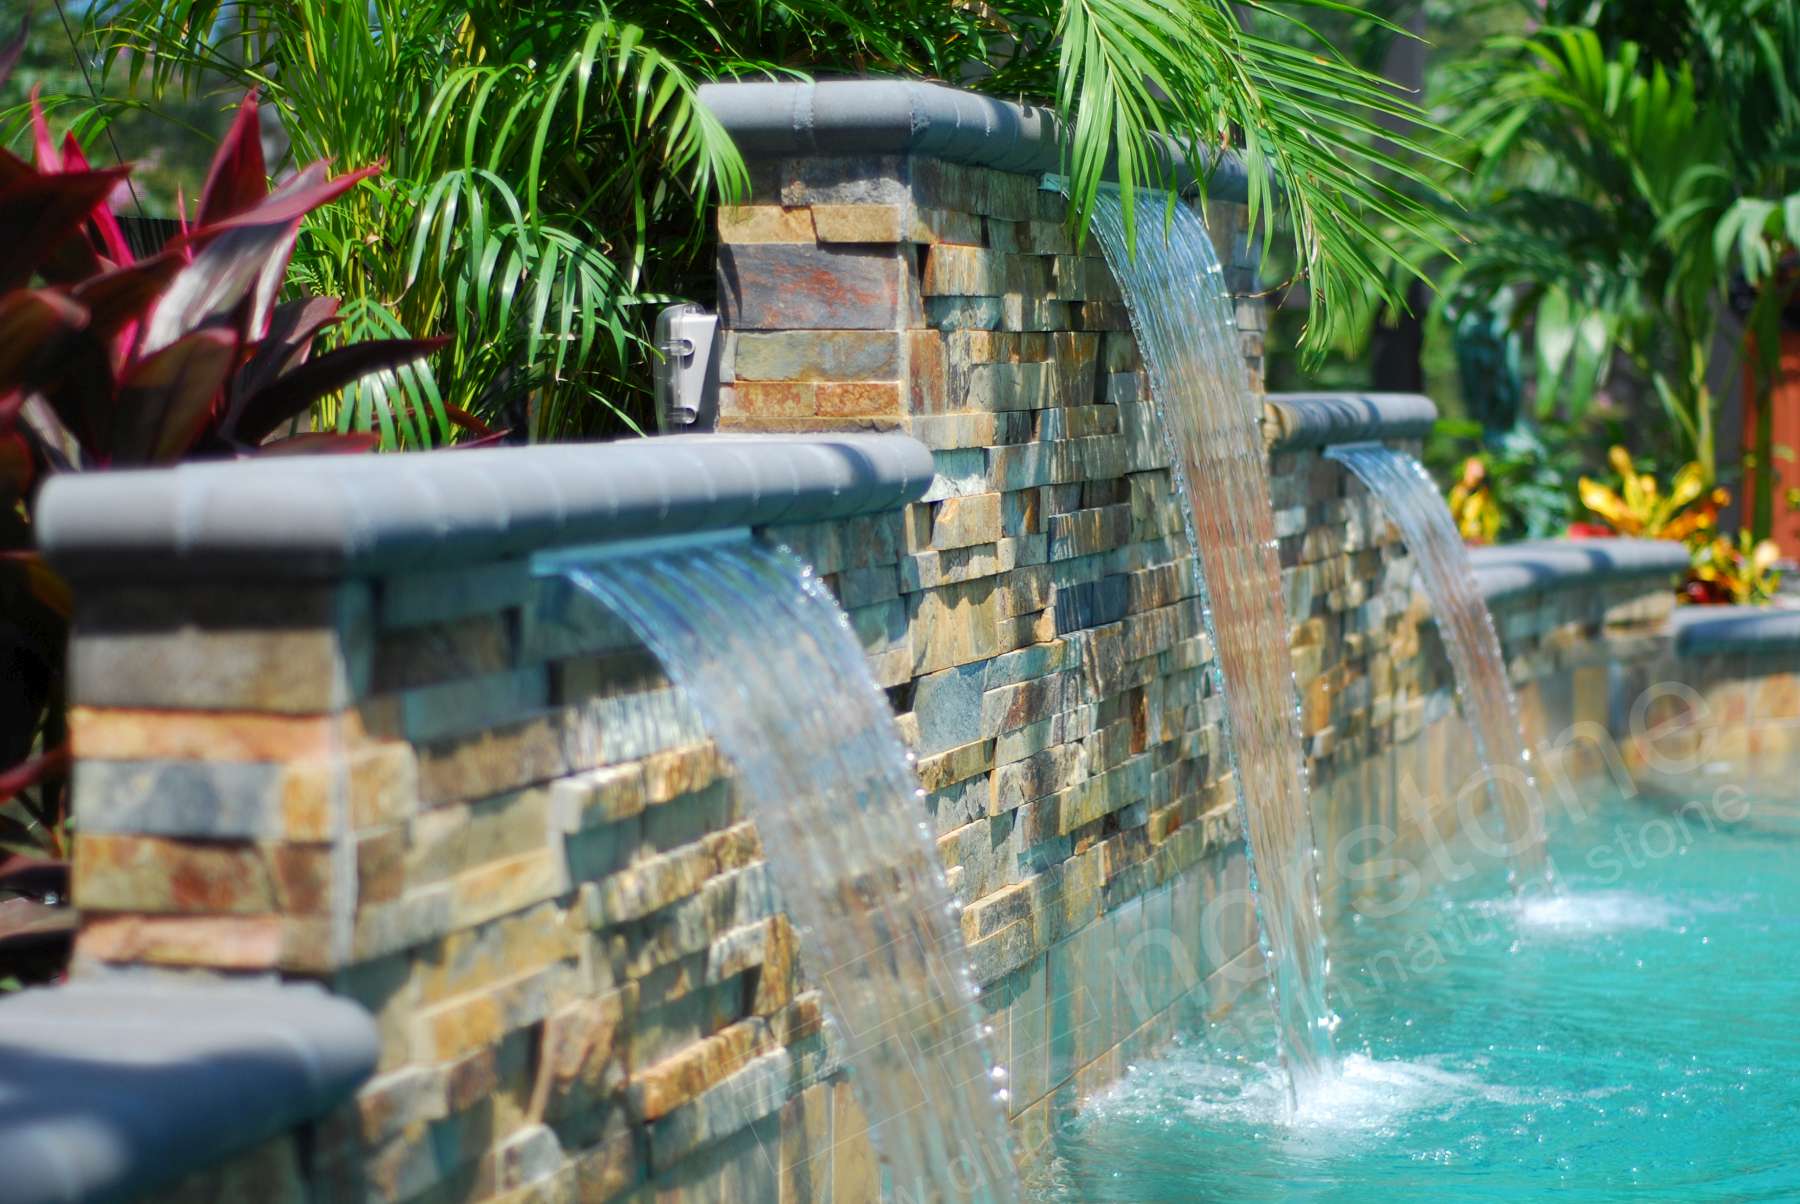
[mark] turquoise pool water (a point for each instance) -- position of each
(1634, 1036)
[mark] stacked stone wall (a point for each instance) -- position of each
(469, 801)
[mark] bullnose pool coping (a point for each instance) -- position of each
(1521, 568)
(1724, 630)
(1300, 420)
(861, 118)
(334, 516)
(111, 1087)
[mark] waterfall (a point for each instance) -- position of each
(771, 665)
(1410, 497)
(1181, 310)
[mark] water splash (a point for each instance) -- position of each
(1181, 310)
(1588, 913)
(770, 663)
(1410, 497)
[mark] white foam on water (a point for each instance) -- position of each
(1367, 1098)
(1586, 913)
(1371, 1096)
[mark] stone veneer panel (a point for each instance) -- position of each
(475, 806)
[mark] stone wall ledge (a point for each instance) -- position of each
(1560, 564)
(1735, 630)
(117, 1085)
(1300, 420)
(341, 516)
(863, 118)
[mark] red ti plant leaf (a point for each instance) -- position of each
(42, 144)
(303, 192)
(106, 226)
(491, 439)
(120, 299)
(33, 875)
(78, 384)
(237, 179)
(322, 376)
(41, 217)
(18, 467)
(243, 263)
(292, 327)
(35, 325)
(468, 422)
(243, 239)
(166, 400)
(27, 774)
(14, 170)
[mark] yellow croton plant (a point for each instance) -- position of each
(1723, 570)
(1742, 572)
(1639, 507)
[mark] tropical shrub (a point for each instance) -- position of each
(1520, 483)
(1722, 571)
(1473, 505)
(550, 167)
(1688, 511)
(107, 360)
(1740, 573)
(1620, 192)
(188, 352)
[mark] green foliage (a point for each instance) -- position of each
(1617, 193)
(549, 168)
(512, 171)
(168, 144)
(1527, 474)
(1302, 113)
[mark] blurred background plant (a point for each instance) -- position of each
(1522, 482)
(1740, 573)
(1616, 196)
(549, 171)
(1622, 176)
(1688, 511)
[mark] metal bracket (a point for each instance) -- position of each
(687, 374)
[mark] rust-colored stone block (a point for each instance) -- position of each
(770, 399)
(862, 223)
(127, 734)
(497, 760)
(655, 1091)
(927, 379)
(765, 224)
(220, 942)
(381, 866)
(855, 399)
(153, 874)
(776, 979)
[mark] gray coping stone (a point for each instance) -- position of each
(1721, 630)
(1300, 420)
(1570, 563)
(870, 117)
(113, 1086)
(336, 516)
